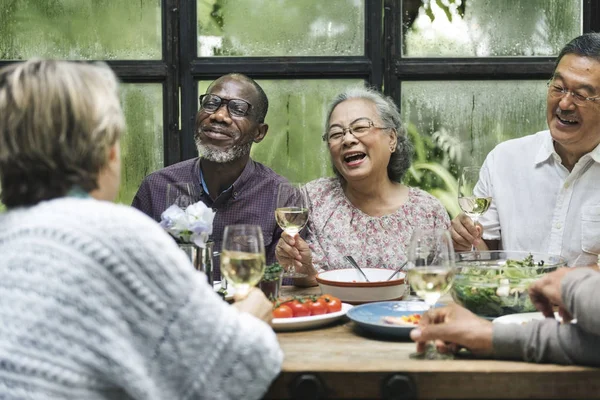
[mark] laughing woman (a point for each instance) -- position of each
(365, 211)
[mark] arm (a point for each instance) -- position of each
(210, 349)
(550, 341)
(143, 200)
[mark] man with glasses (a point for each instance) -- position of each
(545, 188)
(546, 197)
(241, 191)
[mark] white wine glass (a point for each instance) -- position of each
(431, 269)
(291, 215)
(472, 205)
(243, 257)
(182, 194)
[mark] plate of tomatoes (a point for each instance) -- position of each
(307, 312)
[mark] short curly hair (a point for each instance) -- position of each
(400, 160)
(59, 120)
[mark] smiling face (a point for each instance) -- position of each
(575, 129)
(222, 137)
(367, 156)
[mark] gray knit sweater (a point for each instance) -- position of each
(552, 342)
(97, 302)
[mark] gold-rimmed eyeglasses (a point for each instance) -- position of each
(558, 91)
(358, 128)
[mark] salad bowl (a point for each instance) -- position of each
(495, 283)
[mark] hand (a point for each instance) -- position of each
(453, 327)
(465, 233)
(545, 292)
(293, 250)
(255, 303)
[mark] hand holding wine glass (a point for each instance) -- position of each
(471, 204)
(291, 215)
(430, 270)
(243, 257)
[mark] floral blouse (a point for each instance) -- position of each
(337, 228)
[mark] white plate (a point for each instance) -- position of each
(230, 290)
(522, 318)
(298, 323)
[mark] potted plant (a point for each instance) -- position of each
(271, 281)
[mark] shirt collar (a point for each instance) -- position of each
(546, 149)
(239, 183)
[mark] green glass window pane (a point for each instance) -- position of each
(293, 146)
(280, 28)
(142, 146)
(81, 29)
(453, 124)
(489, 28)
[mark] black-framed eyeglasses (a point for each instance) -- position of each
(558, 91)
(210, 103)
(358, 128)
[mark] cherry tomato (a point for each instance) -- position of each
(299, 309)
(333, 303)
(316, 307)
(283, 311)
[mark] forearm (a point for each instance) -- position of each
(553, 342)
(578, 289)
(546, 341)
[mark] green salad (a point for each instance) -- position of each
(492, 289)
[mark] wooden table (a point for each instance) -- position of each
(339, 361)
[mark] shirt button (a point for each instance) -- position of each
(558, 225)
(566, 186)
(235, 194)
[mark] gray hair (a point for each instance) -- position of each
(400, 160)
(59, 120)
(586, 45)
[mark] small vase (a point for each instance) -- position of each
(271, 288)
(201, 258)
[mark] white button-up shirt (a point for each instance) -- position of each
(537, 204)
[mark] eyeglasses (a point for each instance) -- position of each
(578, 99)
(210, 103)
(358, 128)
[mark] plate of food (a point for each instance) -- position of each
(229, 292)
(389, 318)
(523, 318)
(307, 312)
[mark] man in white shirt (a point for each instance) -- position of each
(545, 188)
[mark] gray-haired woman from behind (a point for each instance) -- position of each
(365, 211)
(97, 302)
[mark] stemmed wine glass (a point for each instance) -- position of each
(291, 215)
(182, 194)
(243, 257)
(431, 267)
(471, 204)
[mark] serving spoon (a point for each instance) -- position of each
(400, 268)
(352, 262)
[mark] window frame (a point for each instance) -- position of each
(381, 66)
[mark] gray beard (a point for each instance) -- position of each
(223, 156)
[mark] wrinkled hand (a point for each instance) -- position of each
(293, 250)
(465, 233)
(545, 292)
(257, 304)
(451, 328)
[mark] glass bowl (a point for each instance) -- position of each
(494, 283)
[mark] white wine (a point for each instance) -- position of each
(241, 269)
(430, 282)
(474, 206)
(291, 219)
